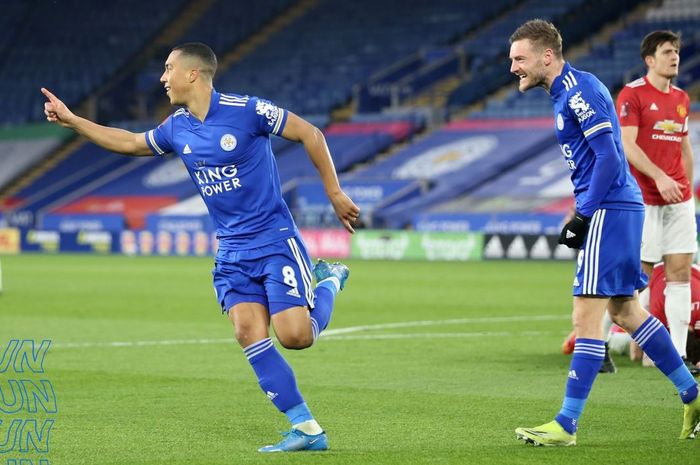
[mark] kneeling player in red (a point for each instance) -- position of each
(656, 306)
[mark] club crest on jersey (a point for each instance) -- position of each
(624, 110)
(268, 110)
(580, 107)
(228, 142)
(682, 111)
(560, 122)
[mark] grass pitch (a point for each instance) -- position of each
(424, 363)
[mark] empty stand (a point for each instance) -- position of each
(69, 48)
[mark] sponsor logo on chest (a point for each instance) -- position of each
(671, 130)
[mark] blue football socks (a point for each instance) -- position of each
(299, 414)
(654, 339)
(275, 376)
(585, 363)
(323, 309)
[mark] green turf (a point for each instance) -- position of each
(448, 391)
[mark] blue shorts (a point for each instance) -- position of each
(276, 275)
(609, 263)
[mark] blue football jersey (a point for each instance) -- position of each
(230, 161)
(584, 109)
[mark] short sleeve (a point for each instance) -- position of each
(268, 118)
(628, 107)
(587, 102)
(160, 139)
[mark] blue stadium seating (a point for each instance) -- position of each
(93, 174)
(456, 160)
(226, 24)
(69, 48)
(313, 64)
(80, 169)
(429, 64)
(490, 72)
(614, 64)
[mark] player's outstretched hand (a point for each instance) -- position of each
(348, 213)
(669, 189)
(55, 110)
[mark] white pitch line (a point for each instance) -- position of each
(458, 321)
(342, 333)
(385, 336)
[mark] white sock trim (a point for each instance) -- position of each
(309, 427)
(334, 280)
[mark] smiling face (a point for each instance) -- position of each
(177, 78)
(665, 60)
(529, 64)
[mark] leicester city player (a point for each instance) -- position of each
(262, 271)
(607, 228)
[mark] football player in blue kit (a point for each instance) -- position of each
(262, 271)
(607, 228)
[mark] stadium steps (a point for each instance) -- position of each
(46, 164)
(344, 112)
(251, 43)
(99, 180)
(437, 95)
(605, 35)
(391, 150)
(165, 38)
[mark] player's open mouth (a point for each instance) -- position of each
(167, 89)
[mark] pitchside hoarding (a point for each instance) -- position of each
(412, 245)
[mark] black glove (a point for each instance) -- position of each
(574, 232)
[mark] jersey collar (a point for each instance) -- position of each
(213, 107)
(214, 104)
(670, 87)
(558, 83)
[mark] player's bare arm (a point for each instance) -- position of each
(687, 157)
(113, 139)
(300, 130)
(669, 189)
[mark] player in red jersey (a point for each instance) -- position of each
(657, 304)
(654, 119)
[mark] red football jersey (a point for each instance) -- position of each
(662, 119)
(657, 299)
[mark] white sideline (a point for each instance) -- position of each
(342, 334)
